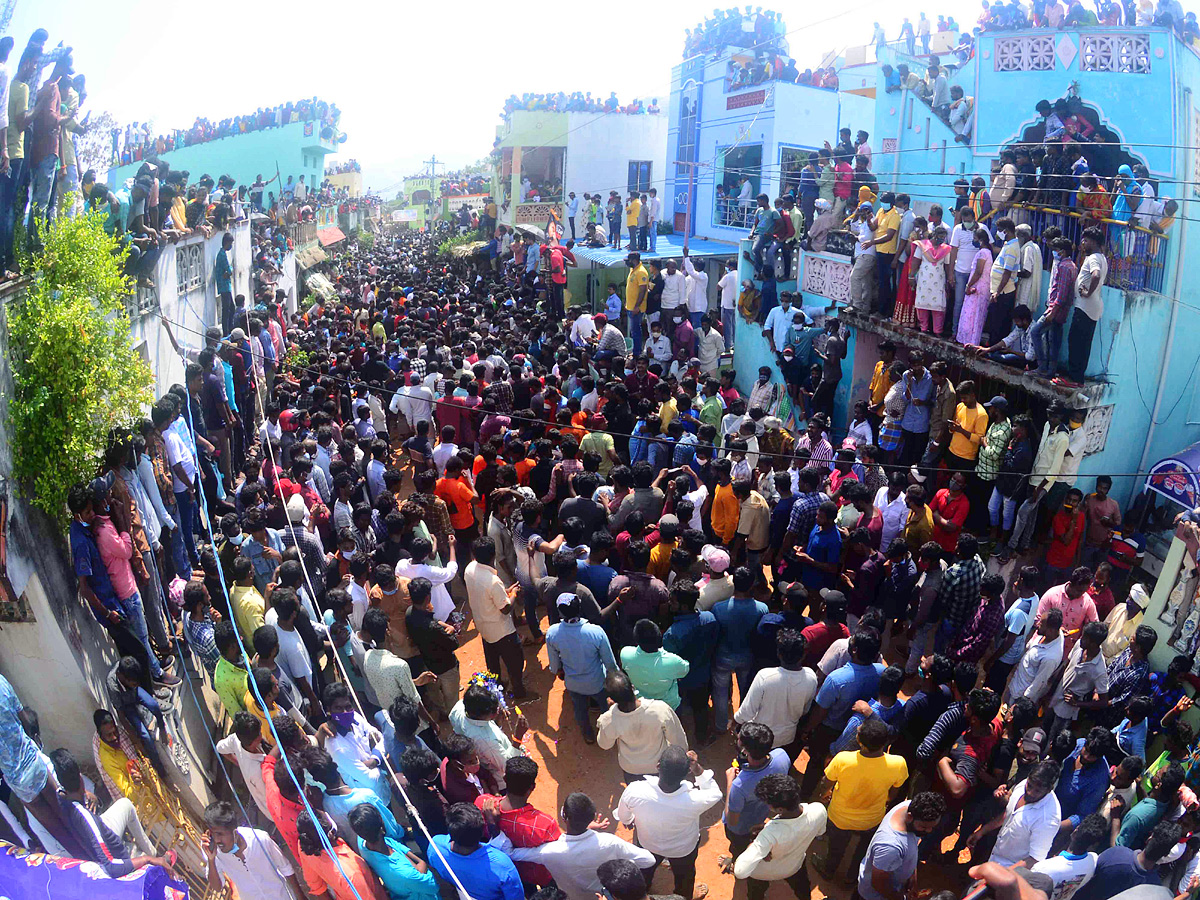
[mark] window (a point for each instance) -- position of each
(791, 161)
(189, 267)
(639, 176)
(739, 181)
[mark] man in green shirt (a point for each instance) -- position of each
(1140, 821)
(229, 678)
(712, 409)
(655, 673)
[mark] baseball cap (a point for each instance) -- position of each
(1033, 739)
(716, 557)
(828, 594)
(997, 402)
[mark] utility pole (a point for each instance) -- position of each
(433, 163)
(691, 196)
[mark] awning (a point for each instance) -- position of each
(1175, 477)
(310, 256)
(330, 235)
(670, 246)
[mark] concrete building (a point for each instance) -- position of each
(352, 181)
(756, 133)
(543, 156)
(296, 149)
(1141, 394)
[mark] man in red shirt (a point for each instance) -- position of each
(458, 496)
(949, 507)
(832, 627)
(520, 822)
(283, 801)
(1066, 533)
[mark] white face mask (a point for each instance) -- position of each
(350, 554)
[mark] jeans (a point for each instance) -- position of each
(756, 254)
(728, 323)
(997, 503)
(579, 706)
(1005, 358)
(819, 743)
(885, 276)
(136, 617)
(70, 188)
(187, 525)
(508, 649)
(570, 219)
(1046, 337)
(840, 840)
(1025, 524)
(635, 331)
(917, 648)
(43, 180)
(722, 689)
(960, 294)
(9, 185)
(697, 699)
(1079, 345)
(652, 236)
(614, 232)
(149, 745)
(863, 286)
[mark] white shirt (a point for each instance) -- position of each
(673, 289)
(261, 869)
(787, 842)
(251, 766)
(1033, 673)
(582, 329)
(668, 824)
(293, 655)
(1028, 831)
(779, 320)
(653, 209)
(177, 452)
(697, 300)
(440, 576)
(710, 347)
(698, 496)
(778, 697)
(895, 514)
(442, 453)
(1069, 873)
(659, 348)
(1093, 306)
(963, 239)
(729, 290)
(574, 858)
(269, 431)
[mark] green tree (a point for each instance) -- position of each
(76, 374)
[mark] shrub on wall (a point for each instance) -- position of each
(76, 373)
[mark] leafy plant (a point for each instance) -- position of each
(365, 239)
(458, 240)
(76, 374)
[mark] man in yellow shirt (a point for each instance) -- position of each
(918, 528)
(633, 209)
(887, 236)
(881, 383)
(967, 430)
(667, 409)
(637, 284)
(249, 608)
(863, 784)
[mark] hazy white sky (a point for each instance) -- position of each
(411, 78)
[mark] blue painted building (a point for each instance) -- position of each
(1135, 87)
(296, 149)
(757, 132)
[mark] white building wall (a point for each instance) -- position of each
(598, 154)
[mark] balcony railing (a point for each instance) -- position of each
(302, 233)
(1137, 256)
(733, 213)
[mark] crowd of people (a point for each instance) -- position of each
(1000, 16)
(463, 183)
(578, 101)
(769, 66)
(753, 28)
(343, 168)
(972, 269)
(136, 141)
(936, 634)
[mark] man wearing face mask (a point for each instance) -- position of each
(674, 296)
(887, 235)
(779, 320)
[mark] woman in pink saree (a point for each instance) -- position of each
(975, 302)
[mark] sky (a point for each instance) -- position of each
(411, 79)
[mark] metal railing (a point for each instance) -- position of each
(733, 213)
(301, 233)
(1137, 256)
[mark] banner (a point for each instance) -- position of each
(25, 874)
(405, 215)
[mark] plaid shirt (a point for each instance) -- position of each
(526, 827)
(569, 468)
(959, 592)
(199, 634)
(437, 519)
(1126, 677)
(987, 465)
(804, 513)
(312, 552)
(977, 638)
(156, 449)
(418, 365)
(822, 452)
(502, 393)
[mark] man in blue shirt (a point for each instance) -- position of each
(1084, 780)
(918, 391)
(223, 271)
(744, 812)
(485, 872)
(856, 680)
(821, 559)
(738, 617)
(693, 635)
(579, 652)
